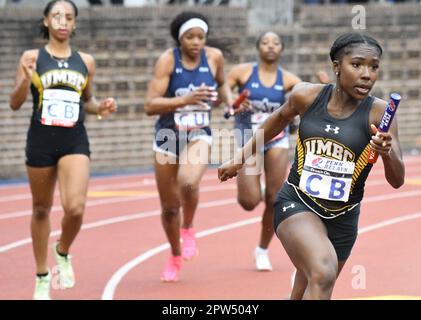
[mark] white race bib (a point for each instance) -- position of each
(60, 108)
(191, 117)
(326, 178)
(257, 119)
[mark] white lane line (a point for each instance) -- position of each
(91, 203)
(111, 286)
(408, 180)
(108, 293)
(149, 179)
(100, 223)
(24, 183)
(114, 186)
(407, 160)
(58, 208)
(123, 218)
(391, 196)
(389, 222)
(99, 202)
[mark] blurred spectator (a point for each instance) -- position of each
(200, 2)
(177, 1)
(210, 2)
(95, 2)
(324, 1)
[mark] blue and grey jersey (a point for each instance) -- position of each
(183, 81)
(264, 100)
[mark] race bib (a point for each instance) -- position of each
(327, 178)
(60, 108)
(258, 118)
(191, 117)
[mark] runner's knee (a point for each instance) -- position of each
(189, 188)
(74, 209)
(169, 213)
(324, 275)
(248, 203)
(41, 212)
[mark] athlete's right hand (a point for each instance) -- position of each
(200, 96)
(28, 66)
(244, 107)
(228, 170)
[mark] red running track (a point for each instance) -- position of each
(122, 248)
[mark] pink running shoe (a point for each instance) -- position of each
(170, 273)
(189, 249)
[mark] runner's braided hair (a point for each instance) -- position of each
(345, 42)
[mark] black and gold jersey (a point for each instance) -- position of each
(330, 164)
(56, 78)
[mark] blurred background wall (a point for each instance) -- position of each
(126, 38)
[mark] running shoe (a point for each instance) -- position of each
(261, 258)
(172, 269)
(42, 287)
(65, 269)
(189, 248)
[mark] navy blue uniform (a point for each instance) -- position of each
(57, 127)
(264, 100)
(174, 130)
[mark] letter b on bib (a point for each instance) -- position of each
(337, 189)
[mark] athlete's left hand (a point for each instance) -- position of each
(381, 142)
(228, 170)
(106, 107)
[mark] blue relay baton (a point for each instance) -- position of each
(386, 121)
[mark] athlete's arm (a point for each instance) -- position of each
(24, 73)
(290, 80)
(232, 77)
(224, 92)
(239, 74)
(322, 76)
(297, 104)
(91, 104)
(156, 102)
(387, 145)
(237, 77)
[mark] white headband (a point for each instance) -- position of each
(193, 23)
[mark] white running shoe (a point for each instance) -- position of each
(42, 287)
(261, 258)
(65, 269)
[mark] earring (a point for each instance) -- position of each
(337, 73)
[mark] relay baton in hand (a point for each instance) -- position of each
(386, 121)
(237, 103)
